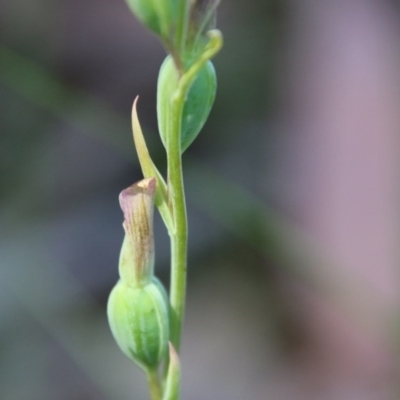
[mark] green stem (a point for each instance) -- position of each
(180, 233)
(176, 191)
(154, 384)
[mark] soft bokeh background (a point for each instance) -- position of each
(293, 199)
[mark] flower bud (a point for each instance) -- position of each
(138, 308)
(198, 104)
(138, 317)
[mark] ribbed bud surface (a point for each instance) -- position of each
(138, 318)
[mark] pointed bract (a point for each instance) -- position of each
(174, 375)
(149, 169)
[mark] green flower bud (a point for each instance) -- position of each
(138, 317)
(138, 310)
(198, 104)
(157, 15)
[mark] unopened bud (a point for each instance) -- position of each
(138, 308)
(198, 104)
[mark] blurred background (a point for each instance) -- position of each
(292, 189)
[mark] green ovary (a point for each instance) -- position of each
(138, 317)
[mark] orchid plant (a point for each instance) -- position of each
(145, 322)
